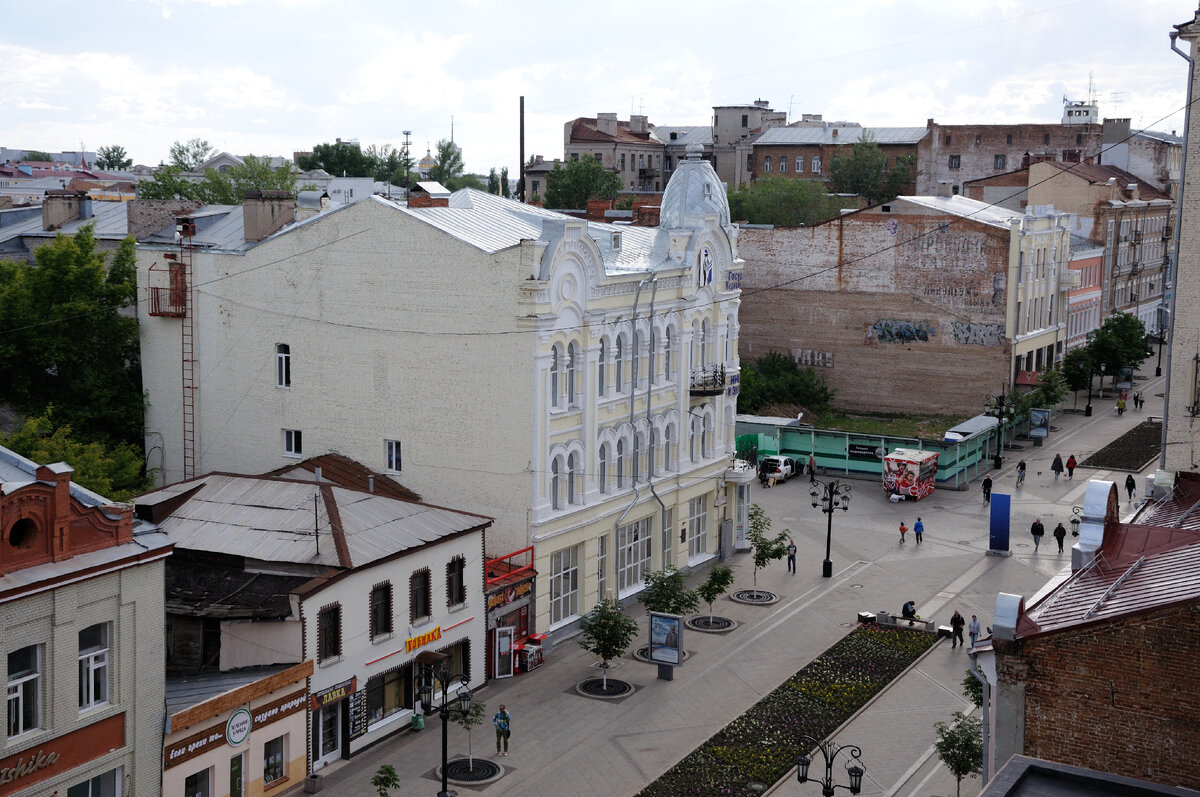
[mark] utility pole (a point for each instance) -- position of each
(404, 182)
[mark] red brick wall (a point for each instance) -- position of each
(1119, 697)
(419, 199)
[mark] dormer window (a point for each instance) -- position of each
(616, 241)
(708, 190)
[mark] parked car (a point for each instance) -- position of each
(780, 467)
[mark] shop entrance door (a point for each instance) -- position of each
(504, 652)
(329, 734)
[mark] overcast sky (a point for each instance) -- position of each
(268, 77)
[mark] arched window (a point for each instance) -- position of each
(555, 373)
(767, 165)
(783, 164)
(799, 164)
(637, 456)
(650, 452)
(668, 340)
(618, 364)
(653, 352)
(572, 365)
(572, 477)
(603, 361)
(620, 465)
(602, 472)
(705, 342)
(706, 438)
(555, 483)
(693, 438)
(667, 455)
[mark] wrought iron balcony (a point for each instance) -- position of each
(707, 381)
(169, 302)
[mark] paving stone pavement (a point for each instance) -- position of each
(566, 744)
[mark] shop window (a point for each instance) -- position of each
(329, 632)
(420, 598)
(456, 585)
(273, 759)
(564, 584)
(237, 775)
(387, 694)
(24, 690)
(381, 609)
(697, 532)
(198, 784)
(93, 666)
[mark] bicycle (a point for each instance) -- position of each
(1020, 477)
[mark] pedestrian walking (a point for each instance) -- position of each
(1057, 466)
(956, 625)
(1131, 486)
(1120, 406)
(503, 723)
(1138, 401)
(1037, 530)
(986, 486)
(973, 630)
(918, 530)
(1020, 473)
(791, 552)
(903, 530)
(1070, 467)
(1060, 534)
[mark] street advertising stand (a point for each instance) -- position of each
(910, 473)
(666, 643)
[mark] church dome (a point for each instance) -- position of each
(428, 162)
(693, 192)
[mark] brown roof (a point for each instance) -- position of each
(345, 472)
(1098, 175)
(584, 129)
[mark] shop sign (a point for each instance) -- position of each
(509, 594)
(333, 694)
(412, 643)
(19, 772)
(234, 732)
(279, 709)
(27, 766)
(237, 730)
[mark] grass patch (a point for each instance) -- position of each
(932, 427)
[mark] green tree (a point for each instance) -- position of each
(1051, 390)
(112, 157)
(1077, 370)
(478, 182)
(192, 155)
(960, 746)
(66, 340)
(775, 378)
(763, 548)
(115, 471)
(972, 689)
(1119, 343)
(447, 166)
(666, 592)
(570, 186)
(217, 188)
(340, 159)
(168, 182)
(863, 170)
(38, 156)
(607, 632)
(473, 717)
(256, 174)
(505, 189)
(385, 779)
(719, 580)
(493, 182)
(785, 202)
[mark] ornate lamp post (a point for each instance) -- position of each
(429, 674)
(1075, 520)
(830, 496)
(1002, 408)
(830, 751)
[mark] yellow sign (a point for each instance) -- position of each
(412, 643)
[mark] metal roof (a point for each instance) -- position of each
(684, 135)
(972, 209)
(850, 134)
(278, 520)
(190, 690)
(110, 218)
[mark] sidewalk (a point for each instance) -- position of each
(565, 744)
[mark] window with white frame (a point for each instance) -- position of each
(651, 452)
(573, 476)
(668, 341)
(633, 554)
(652, 354)
(292, 443)
(694, 438)
(24, 690)
(816, 165)
(572, 364)
(555, 374)
(637, 457)
(783, 164)
(392, 458)
(93, 666)
(618, 357)
(767, 164)
(668, 449)
(564, 584)
(697, 535)
(799, 164)
(283, 365)
(556, 483)
(705, 342)
(601, 567)
(602, 469)
(601, 363)
(706, 438)
(668, 531)
(619, 467)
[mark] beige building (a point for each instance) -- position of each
(631, 149)
(577, 381)
(734, 131)
(81, 616)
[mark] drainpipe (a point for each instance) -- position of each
(649, 386)
(987, 699)
(632, 391)
(1174, 268)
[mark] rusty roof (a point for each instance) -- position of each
(346, 472)
(585, 129)
(1098, 175)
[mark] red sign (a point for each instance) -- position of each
(55, 756)
(333, 694)
(412, 643)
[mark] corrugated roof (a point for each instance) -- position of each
(845, 135)
(111, 220)
(972, 209)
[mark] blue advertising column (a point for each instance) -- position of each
(999, 523)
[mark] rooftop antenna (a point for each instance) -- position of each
(451, 128)
(791, 101)
(1091, 87)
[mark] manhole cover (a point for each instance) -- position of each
(643, 654)
(856, 586)
(466, 770)
(710, 623)
(597, 687)
(753, 596)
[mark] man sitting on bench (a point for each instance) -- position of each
(909, 611)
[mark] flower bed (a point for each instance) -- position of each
(762, 745)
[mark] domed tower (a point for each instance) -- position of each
(695, 215)
(426, 163)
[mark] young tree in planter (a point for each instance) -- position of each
(719, 580)
(764, 549)
(469, 720)
(607, 632)
(960, 746)
(385, 779)
(667, 592)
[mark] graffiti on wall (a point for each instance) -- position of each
(978, 334)
(890, 331)
(812, 357)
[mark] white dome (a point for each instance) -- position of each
(693, 192)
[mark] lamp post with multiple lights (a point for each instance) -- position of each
(431, 673)
(830, 496)
(830, 752)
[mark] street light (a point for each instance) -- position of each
(830, 751)
(830, 495)
(1002, 407)
(429, 674)
(1162, 338)
(1087, 411)
(1075, 520)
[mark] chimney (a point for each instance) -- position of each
(607, 123)
(1135, 191)
(266, 212)
(62, 205)
(637, 124)
(944, 190)
(420, 197)
(835, 132)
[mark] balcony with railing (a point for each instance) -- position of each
(707, 380)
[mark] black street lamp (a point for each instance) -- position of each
(425, 689)
(1162, 338)
(830, 751)
(1087, 411)
(1076, 520)
(1002, 408)
(830, 496)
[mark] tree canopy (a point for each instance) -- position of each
(775, 378)
(38, 156)
(863, 170)
(341, 159)
(667, 592)
(607, 632)
(570, 186)
(447, 166)
(112, 157)
(64, 340)
(1120, 343)
(190, 156)
(220, 188)
(784, 202)
(765, 549)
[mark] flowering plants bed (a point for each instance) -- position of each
(762, 745)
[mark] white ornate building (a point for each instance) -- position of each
(576, 381)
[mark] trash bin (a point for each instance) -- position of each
(314, 783)
(418, 721)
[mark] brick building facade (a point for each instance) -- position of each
(806, 151)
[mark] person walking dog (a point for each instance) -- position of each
(503, 723)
